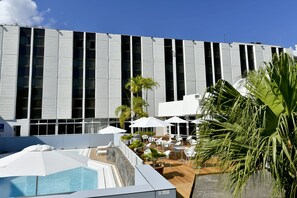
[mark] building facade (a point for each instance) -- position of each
(71, 82)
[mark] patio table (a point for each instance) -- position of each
(180, 149)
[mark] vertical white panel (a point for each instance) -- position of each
(189, 67)
(235, 62)
(267, 54)
(64, 106)
(200, 66)
(50, 74)
(226, 62)
(102, 76)
(147, 59)
(159, 68)
(259, 56)
(115, 71)
(8, 83)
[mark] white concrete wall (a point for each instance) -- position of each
(50, 74)
(259, 56)
(226, 62)
(159, 67)
(102, 76)
(64, 103)
(188, 106)
(115, 70)
(9, 70)
(235, 62)
(189, 67)
(267, 55)
(147, 68)
(200, 67)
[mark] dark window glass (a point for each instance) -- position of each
(273, 51)
(23, 73)
(169, 70)
(51, 129)
(243, 65)
(78, 128)
(70, 128)
(251, 62)
(90, 76)
(62, 129)
(180, 69)
(33, 129)
(136, 45)
(217, 61)
(37, 73)
(42, 130)
(280, 50)
(126, 71)
(77, 75)
(208, 64)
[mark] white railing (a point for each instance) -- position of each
(131, 156)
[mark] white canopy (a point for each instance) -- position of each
(39, 160)
(149, 122)
(177, 120)
(111, 129)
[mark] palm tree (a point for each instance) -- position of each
(135, 86)
(255, 133)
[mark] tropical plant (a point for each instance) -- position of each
(254, 133)
(154, 156)
(135, 86)
(136, 145)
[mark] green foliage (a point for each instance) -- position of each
(148, 133)
(255, 133)
(136, 144)
(136, 85)
(126, 137)
(154, 156)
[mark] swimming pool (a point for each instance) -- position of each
(63, 182)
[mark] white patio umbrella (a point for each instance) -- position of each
(177, 120)
(111, 129)
(149, 122)
(39, 160)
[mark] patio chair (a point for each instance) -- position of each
(159, 141)
(103, 149)
(189, 138)
(144, 137)
(167, 144)
(167, 153)
(189, 152)
(147, 146)
(151, 139)
(179, 138)
(193, 142)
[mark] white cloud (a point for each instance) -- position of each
(22, 12)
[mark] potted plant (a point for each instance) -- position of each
(126, 138)
(136, 145)
(154, 156)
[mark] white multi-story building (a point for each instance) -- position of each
(65, 82)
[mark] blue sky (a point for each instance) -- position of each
(266, 21)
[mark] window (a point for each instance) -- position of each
(169, 70)
(208, 64)
(180, 69)
(243, 65)
(217, 61)
(251, 62)
(126, 71)
(23, 73)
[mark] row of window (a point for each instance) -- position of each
(83, 85)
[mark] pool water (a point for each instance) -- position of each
(63, 182)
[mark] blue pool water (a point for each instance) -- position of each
(67, 181)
